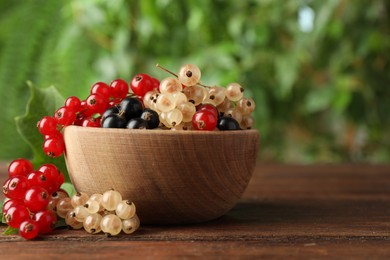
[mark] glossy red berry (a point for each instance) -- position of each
(102, 89)
(156, 83)
(10, 203)
(54, 146)
(17, 187)
(47, 125)
(51, 173)
(141, 84)
(41, 179)
(91, 122)
(20, 167)
(96, 103)
(29, 229)
(65, 116)
(36, 198)
(204, 120)
(74, 103)
(208, 107)
(46, 220)
(16, 215)
(119, 89)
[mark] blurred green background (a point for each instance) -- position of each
(318, 70)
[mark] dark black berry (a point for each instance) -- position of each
(151, 117)
(114, 121)
(137, 123)
(227, 123)
(131, 107)
(110, 111)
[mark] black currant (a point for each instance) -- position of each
(137, 123)
(131, 107)
(151, 117)
(227, 123)
(114, 121)
(110, 111)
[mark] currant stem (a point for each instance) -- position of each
(166, 70)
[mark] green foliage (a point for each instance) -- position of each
(41, 102)
(322, 95)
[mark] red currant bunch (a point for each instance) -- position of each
(85, 112)
(30, 196)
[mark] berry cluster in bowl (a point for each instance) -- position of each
(179, 102)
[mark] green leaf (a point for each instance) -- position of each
(42, 102)
(10, 231)
(69, 188)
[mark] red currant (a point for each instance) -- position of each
(41, 179)
(96, 103)
(65, 116)
(208, 107)
(29, 229)
(91, 122)
(47, 125)
(16, 215)
(204, 120)
(46, 220)
(20, 167)
(54, 146)
(119, 89)
(52, 174)
(17, 187)
(36, 198)
(141, 84)
(10, 203)
(102, 89)
(74, 103)
(156, 83)
(60, 180)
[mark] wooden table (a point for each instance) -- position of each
(287, 211)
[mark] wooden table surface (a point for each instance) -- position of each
(319, 211)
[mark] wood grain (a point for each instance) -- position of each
(287, 211)
(174, 177)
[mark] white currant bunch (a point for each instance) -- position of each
(107, 212)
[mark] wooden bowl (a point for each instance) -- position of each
(173, 177)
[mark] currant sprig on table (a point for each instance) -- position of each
(31, 197)
(180, 102)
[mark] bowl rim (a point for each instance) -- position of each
(158, 131)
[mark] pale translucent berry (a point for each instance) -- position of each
(150, 99)
(183, 126)
(195, 94)
(79, 199)
(63, 207)
(92, 206)
(130, 225)
(246, 106)
(234, 92)
(91, 223)
(98, 198)
(247, 122)
(81, 213)
(70, 220)
(188, 110)
(234, 113)
(165, 102)
(216, 95)
(180, 98)
(189, 74)
(170, 85)
(174, 117)
(225, 105)
(111, 199)
(111, 224)
(125, 209)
